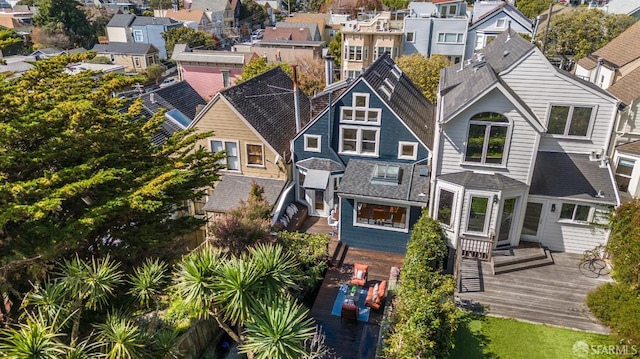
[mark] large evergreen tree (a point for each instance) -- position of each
(79, 173)
(65, 16)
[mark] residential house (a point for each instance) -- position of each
(17, 20)
(254, 122)
(490, 18)
(225, 11)
(314, 30)
(142, 30)
(438, 27)
(136, 57)
(364, 41)
(194, 18)
(17, 65)
(118, 28)
(49, 52)
(209, 71)
(321, 21)
(616, 67)
(519, 152)
(628, 7)
(287, 33)
(365, 158)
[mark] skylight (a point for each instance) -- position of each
(386, 173)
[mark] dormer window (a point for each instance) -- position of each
(487, 139)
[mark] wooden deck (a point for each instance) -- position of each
(348, 340)
(552, 294)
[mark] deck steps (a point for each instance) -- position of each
(517, 258)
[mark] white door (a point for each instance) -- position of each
(508, 213)
(533, 221)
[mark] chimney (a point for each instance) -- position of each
(328, 70)
(296, 98)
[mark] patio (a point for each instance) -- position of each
(348, 340)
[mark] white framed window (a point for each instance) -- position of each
(570, 120)
(575, 212)
(624, 169)
(410, 37)
(501, 23)
(454, 59)
(380, 50)
(360, 112)
(381, 216)
(137, 36)
(448, 10)
(363, 141)
(360, 100)
(407, 150)
(478, 214)
(450, 37)
(232, 161)
(355, 53)
(312, 143)
(151, 60)
(351, 74)
(446, 200)
(136, 61)
(487, 139)
(255, 154)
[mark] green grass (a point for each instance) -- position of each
(490, 337)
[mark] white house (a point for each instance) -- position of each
(519, 151)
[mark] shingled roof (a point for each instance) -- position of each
(405, 99)
(627, 89)
(266, 102)
(180, 96)
(127, 48)
(620, 51)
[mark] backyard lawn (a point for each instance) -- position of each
(490, 337)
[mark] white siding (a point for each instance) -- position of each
(572, 237)
(539, 86)
(492, 212)
(521, 148)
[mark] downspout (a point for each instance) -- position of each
(535, 30)
(296, 98)
(612, 131)
(598, 70)
(436, 148)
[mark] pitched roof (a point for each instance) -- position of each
(627, 89)
(572, 176)
(628, 7)
(632, 148)
(180, 96)
(127, 48)
(211, 5)
(121, 20)
(195, 15)
(287, 33)
(267, 103)
(502, 7)
(151, 20)
(406, 100)
(358, 181)
(485, 181)
(320, 164)
(231, 189)
(181, 52)
(620, 51)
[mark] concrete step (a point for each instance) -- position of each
(522, 265)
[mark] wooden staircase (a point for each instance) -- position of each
(527, 255)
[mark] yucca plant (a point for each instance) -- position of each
(33, 339)
(50, 299)
(120, 338)
(280, 332)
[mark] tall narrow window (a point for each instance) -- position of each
(487, 138)
(478, 208)
(445, 207)
(623, 174)
(233, 157)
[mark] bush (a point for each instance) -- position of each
(624, 244)
(311, 250)
(616, 305)
(424, 316)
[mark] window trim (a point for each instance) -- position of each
(358, 151)
(366, 96)
(487, 219)
(374, 226)
(137, 33)
(594, 111)
(507, 143)
(226, 159)
(453, 207)
(246, 147)
(575, 210)
(504, 23)
(414, 156)
(413, 36)
(459, 38)
(312, 149)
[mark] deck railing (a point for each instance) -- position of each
(476, 248)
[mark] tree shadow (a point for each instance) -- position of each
(471, 343)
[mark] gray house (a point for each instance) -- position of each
(141, 30)
(436, 28)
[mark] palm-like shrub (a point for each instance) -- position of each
(120, 338)
(34, 339)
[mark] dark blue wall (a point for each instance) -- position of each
(372, 238)
(392, 131)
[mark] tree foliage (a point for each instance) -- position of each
(260, 65)
(533, 8)
(154, 72)
(624, 244)
(425, 317)
(44, 38)
(79, 173)
(160, 4)
(310, 72)
(335, 49)
(65, 16)
(187, 35)
(582, 31)
(396, 4)
(424, 72)
(253, 13)
(9, 39)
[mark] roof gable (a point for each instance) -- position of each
(266, 102)
(506, 9)
(622, 50)
(627, 89)
(121, 20)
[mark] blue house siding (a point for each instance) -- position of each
(371, 238)
(392, 131)
(152, 34)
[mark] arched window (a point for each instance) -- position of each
(487, 138)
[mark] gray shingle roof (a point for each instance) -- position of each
(475, 83)
(180, 96)
(357, 181)
(505, 50)
(632, 148)
(485, 181)
(212, 5)
(321, 164)
(126, 48)
(121, 20)
(151, 20)
(231, 189)
(406, 100)
(627, 88)
(266, 102)
(572, 176)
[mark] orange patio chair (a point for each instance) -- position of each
(360, 274)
